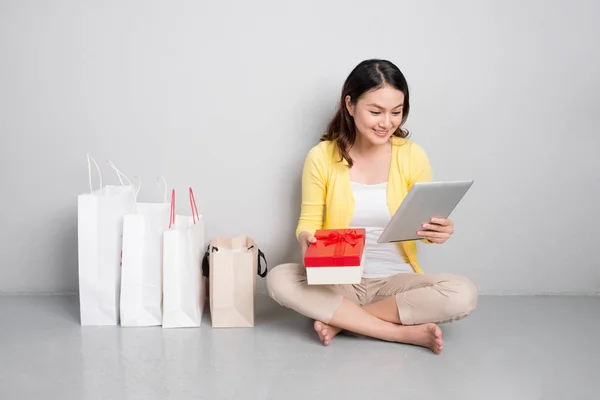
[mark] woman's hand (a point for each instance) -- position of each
(305, 239)
(439, 229)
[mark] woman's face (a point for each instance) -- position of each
(377, 114)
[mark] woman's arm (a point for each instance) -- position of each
(314, 188)
(420, 167)
(437, 230)
(420, 171)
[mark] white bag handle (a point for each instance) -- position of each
(158, 180)
(166, 187)
(89, 158)
(119, 173)
(122, 175)
(137, 192)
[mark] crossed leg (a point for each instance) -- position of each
(355, 318)
(384, 309)
(414, 300)
(405, 307)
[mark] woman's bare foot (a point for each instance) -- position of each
(426, 335)
(326, 332)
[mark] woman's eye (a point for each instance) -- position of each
(394, 113)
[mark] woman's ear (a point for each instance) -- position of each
(349, 106)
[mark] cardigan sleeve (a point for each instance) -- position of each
(420, 171)
(314, 189)
(420, 167)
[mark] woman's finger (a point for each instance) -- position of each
(437, 228)
(432, 235)
(441, 221)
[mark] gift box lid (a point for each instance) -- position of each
(336, 248)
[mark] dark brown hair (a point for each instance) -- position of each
(367, 76)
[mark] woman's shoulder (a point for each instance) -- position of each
(412, 161)
(323, 152)
(408, 148)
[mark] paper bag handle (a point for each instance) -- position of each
(206, 266)
(166, 191)
(262, 255)
(172, 212)
(195, 215)
(120, 175)
(91, 160)
(259, 271)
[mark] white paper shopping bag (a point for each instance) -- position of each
(184, 287)
(99, 229)
(141, 263)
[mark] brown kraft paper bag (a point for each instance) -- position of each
(231, 265)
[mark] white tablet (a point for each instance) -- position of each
(424, 201)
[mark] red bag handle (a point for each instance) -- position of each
(172, 216)
(195, 214)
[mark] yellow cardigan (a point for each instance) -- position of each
(326, 183)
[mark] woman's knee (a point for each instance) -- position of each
(461, 296)
(283, 281)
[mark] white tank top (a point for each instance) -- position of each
(371, 213)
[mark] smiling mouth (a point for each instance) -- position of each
(381, 133)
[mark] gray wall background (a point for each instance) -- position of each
(503, 92)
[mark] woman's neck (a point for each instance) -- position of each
(365, 149)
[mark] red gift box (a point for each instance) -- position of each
(336, 247)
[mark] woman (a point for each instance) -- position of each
(357, 176)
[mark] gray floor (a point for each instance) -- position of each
(511, 348)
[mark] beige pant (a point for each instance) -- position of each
(420, 298)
